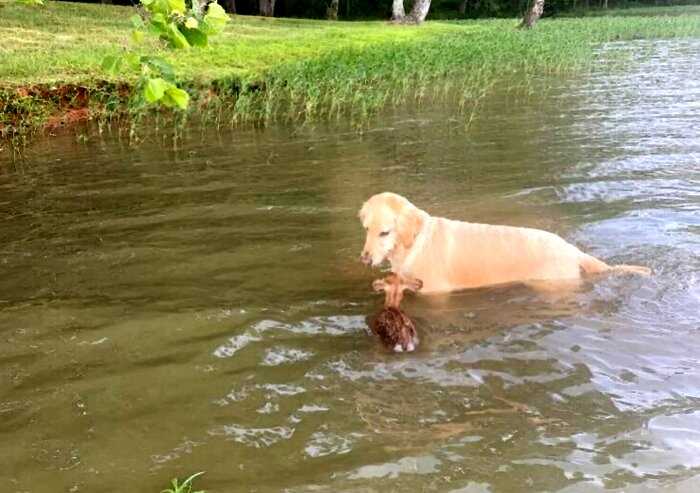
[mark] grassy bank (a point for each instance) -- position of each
(262, 69)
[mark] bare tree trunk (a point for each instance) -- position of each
(462, 8)
(229, 6)
(605, 4)
(332, 10)
(534, 12)
(419, 11)
(397, 12)
(267, 8)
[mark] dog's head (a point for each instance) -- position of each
(391, 222)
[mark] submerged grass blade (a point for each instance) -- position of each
(186, 485)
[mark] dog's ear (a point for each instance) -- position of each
(378, 285)
(364, 212)
(408, 225)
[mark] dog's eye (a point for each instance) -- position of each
(384, 233)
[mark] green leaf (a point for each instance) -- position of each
(112, 64)
(175, 96)
(177, 6)
(137, 36)
(159, 22)
(133, 60)
(191, 23)
(194, 36)
(154, 89)
(216, 18)
(161, 7)
(137, 21)
(159, 65)
(176, 38)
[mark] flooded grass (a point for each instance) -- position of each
(462, 58)
(634, 11)
(264, 69)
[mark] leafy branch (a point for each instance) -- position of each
(180, 28)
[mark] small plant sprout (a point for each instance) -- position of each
(185, 486)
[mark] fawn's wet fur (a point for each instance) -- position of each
(393, 327)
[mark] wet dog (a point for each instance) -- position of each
(449, 255)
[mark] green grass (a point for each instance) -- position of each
(65, 42)
(264, 68)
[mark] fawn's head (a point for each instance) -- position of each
(394, 286)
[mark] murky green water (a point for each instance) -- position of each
(164, 312)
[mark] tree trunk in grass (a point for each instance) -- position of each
(267, 8)
(419, 11)
(398, 14)
(534, 12)
(229, 6)
(462, 8)
(332, 10)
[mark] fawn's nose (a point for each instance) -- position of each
(366, 258)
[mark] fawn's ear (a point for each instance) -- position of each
(413, 285)
(379, 285)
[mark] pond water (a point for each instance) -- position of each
(164, 311)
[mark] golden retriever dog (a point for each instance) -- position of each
(449, 255)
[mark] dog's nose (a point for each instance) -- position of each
(365, 257)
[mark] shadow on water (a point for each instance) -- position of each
(168, 311)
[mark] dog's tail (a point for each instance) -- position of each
(640, 270)
(591, 265)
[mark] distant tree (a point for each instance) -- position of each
(332, 10)
(397, 12)
(533, 13)
(229, 6)
(462, 7)
(418, 13)
(267, 8)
